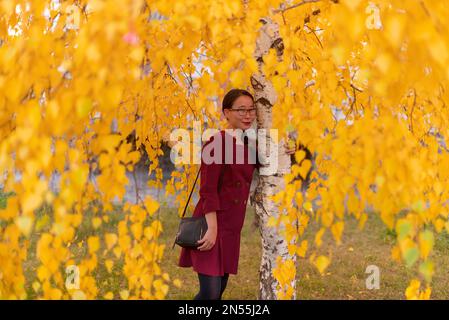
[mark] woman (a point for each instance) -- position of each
(224, 191)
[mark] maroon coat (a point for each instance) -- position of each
(224, 188)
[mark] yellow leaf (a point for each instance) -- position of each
(148, 233)
(93, 53)
(136, 229)
(383, 62)
(83, 106)
(114, 95)
(326, 218)
(93, 244)
(42, 222)
(111, 240)
(362, 220)
(136, 54)
(351, 4)
(302, 249)
(438, 50)
(109, 264)
(318, 237)
(157, 228)
(124, 294)
(337, 230)
(412, 291)
(43, 273)
(439, 225)
(425, 295)
(24, 223)
(55, 294)
(177, 283)
(96, 222)
(322, 262)
(237, 78)
(426, 242)
(108, 143)
(36, 286)
(396, 254)
(151, 205)
(339, 54)
(291, 249)
(109, 295)
(308, 206)
(299, 155)
(394, 28)
(305, 168)
(31, 201)
(194, 21)
(117, 252)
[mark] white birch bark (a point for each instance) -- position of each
(273, 244)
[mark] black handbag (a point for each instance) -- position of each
(191, 229)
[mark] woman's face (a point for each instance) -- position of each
(242, 113)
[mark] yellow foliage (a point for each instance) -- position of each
(370, 106)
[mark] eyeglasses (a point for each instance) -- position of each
(242, 112)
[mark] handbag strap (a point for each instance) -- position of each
(185, 208)
(190, 195)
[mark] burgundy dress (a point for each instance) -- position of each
(224, 188)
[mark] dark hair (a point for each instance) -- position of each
(232, 95)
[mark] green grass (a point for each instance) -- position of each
(344, 278)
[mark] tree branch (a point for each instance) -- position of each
(295, 5)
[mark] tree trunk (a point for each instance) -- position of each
(273, 244)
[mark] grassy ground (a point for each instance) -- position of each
(344, 279)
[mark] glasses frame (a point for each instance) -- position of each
(242, 112)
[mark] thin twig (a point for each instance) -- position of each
(313, 31)
(296, 5)
(413, 109)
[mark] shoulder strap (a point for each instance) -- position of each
(191, 191)
(193, 187)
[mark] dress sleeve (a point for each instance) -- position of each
(210, 179)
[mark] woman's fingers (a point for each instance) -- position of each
(206, 246)
(290, 150)
(207, 242)
(204, 243)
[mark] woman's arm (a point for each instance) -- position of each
(211, 219)
(210, 178)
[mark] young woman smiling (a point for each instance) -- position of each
(224, 191)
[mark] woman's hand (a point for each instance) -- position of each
(290, 147)
(208, 241)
